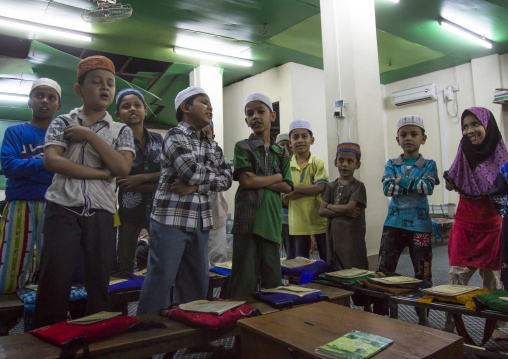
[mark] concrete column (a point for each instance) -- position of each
(210, 79)
(352, 74)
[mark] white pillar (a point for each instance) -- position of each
(210, 79)
(352, 74)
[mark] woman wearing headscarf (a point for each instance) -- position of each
(474, 242)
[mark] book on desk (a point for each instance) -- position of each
(354, 345)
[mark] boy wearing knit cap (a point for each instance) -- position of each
(262, 169)
(27, 181)
(343, 203)
(135, 195)
(86, 149)
(310, 179)
(409, 179)
(192, 168)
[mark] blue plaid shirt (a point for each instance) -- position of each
(195, 162)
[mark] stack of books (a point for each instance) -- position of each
(501, 96)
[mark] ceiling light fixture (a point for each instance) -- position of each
(395, 1)
(468, 34)
(215, 57)
(13, 97)
(45, 29)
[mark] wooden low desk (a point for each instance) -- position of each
(142, 344)
(296, 333)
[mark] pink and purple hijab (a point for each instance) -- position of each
(476, 166)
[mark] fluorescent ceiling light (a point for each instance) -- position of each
(395, 1)
(45, 29)
(214, 57)
(468, 34)
(5, 96)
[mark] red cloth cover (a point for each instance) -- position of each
(211, 321)
(62, 332)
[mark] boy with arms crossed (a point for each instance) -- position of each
(262, 168)
(86, 150)
(409, 179)
(344, 203)
(27, 181)
(310, 179)
(192, 168)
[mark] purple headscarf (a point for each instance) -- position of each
(475, 167)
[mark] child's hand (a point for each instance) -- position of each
(128, 182)
(77, 133)
(397, 179)
(182, 189)
(107, 174)
(355, 213)
(449, 185)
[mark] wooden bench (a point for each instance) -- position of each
(144, 343)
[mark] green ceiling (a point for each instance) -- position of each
(410, 41)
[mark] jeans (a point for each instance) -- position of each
(176, 258)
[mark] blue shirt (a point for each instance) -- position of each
(409, 208)
(22, 163)
(135, 207)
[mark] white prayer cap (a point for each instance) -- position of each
(258, 97)
(44, 81)
(410, 120)
(300, 124)
(188, 92)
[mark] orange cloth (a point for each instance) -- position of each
(465, 299)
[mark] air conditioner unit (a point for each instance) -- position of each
(414, 95)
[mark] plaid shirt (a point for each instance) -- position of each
(196, 162)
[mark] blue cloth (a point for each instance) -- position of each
(22, 163)
(409, 207)
(133, 282)
(318, 267)
(135, 207)
(222, 271)
(282, 300)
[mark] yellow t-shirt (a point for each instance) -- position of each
(304, 215)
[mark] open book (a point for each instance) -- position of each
(354, 345)
(297, 262)
(214, 307)
(225, 265)
(291, 289)
(396, 280)
(349, 273)
(95, 318)
(450, 289)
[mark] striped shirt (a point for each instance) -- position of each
(195, 162)
(409, 208)
(90, 194)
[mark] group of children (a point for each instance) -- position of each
(173, 186)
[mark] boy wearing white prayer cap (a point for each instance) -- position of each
(27, 181)
(262, 169)
(192, 168)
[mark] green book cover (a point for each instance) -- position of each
(354, 345)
